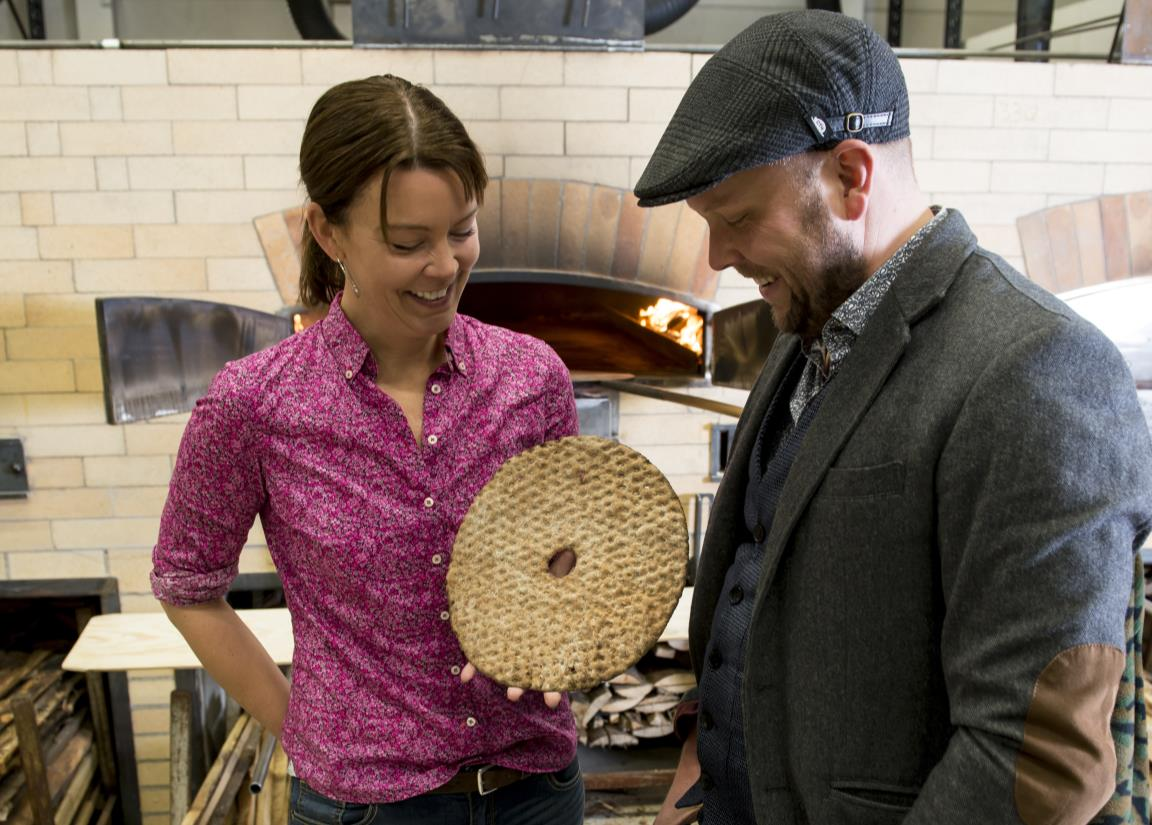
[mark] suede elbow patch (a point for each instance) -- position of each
(1066, 768)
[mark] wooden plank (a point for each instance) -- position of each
(76, 790)
(180, 754)
(544, 223)
(629, 238)
(280, 786)
(148, 641)
(514, 218)
(488, 227)
(577, 204)
(1033, 231)
(1139, 207)
(1137, 41)
(621, 780)
(107, 811)
(88, 807)
(102, 730)
(213, 785)
(1114, 225)
(11, 678)
(232, 773)
(1065, 250)
(32, 759)
(1090, 241)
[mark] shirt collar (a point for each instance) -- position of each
(349, 350)
(849, 319)
(350, 353)
(854, 313)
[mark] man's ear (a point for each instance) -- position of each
(323, 230)
(853, 162)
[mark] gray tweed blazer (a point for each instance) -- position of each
(939, 628)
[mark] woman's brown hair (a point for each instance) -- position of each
(360, 128)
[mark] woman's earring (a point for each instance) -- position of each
(348, 278)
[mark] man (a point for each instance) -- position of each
(919, 599)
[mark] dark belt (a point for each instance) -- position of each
(481, 779)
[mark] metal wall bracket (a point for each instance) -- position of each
(13, 469)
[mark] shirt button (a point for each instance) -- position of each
(455, 670)
(428, 502)
(435, 389)
(758, 533)
(470, 722)
(432, 439)
(444, 614)
(736, 595)
(437, 558)
(348, 374)
(461, 368)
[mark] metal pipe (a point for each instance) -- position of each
(260, 772)
(648, 391)
(114, 43)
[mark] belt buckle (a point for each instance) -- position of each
(480, 780)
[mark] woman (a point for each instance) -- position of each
(360, 443)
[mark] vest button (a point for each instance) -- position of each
(758, 533)
(736, 595)
(715, 659)
(706, 722)
(706, 782)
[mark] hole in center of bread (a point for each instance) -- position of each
(562, 562)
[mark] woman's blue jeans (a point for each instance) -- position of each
(542, 799)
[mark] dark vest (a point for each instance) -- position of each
(723, 784)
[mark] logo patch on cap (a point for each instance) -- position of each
(820, 126)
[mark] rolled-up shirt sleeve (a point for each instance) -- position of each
(215, 494)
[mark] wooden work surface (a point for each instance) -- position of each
(148, 641)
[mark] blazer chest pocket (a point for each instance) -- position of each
(864, 482)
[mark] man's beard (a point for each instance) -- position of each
(822, 287)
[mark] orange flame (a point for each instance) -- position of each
(678, 321)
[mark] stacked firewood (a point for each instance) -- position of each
(50, 767)
(640, 703)
(247, 784)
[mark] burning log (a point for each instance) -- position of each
(638, 704)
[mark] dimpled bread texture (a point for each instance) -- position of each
(523, 626)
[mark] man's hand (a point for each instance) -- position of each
(687, 772)
(551, 698)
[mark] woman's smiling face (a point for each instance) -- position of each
(411, 273)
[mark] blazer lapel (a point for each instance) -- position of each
(924, 280)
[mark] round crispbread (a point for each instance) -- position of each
(525, 627)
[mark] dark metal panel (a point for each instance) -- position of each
(895, 22)
(953, 23)
(1033, 25)
(543, 24)
(742, 337)
(13, 469)
(159, 355)
(1137, 36)
(36, 19)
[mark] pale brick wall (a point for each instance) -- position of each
(139, 172)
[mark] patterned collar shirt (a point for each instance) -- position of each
(831, 347)
(360, 519)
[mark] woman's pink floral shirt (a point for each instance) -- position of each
(360, 521)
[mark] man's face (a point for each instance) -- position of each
(773, 226)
